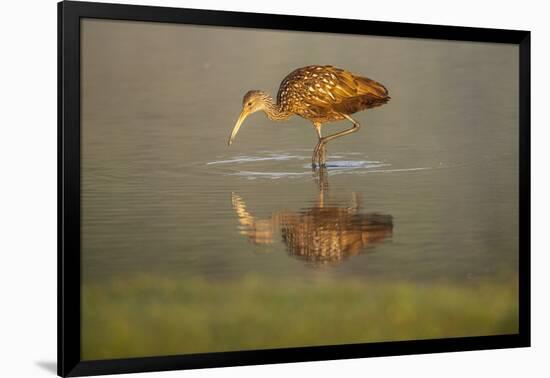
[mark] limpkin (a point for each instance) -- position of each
(319, 94)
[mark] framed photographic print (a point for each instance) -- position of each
(239, 188)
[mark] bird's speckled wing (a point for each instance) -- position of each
(322, 92)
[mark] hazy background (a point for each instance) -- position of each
(158, 102)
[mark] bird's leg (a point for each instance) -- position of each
(315, 157)
(353, 129)
(324, 140)
(318, 154)
(323, 156)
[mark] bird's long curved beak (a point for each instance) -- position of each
(240, 121)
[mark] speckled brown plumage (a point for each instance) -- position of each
(323, 93)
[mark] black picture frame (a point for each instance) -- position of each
(69, 331)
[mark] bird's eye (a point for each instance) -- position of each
(249, 104)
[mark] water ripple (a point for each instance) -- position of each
(248, 159)
(290, 164)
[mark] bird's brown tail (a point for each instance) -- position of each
(366, 86)
(358, 103)
(372, 103)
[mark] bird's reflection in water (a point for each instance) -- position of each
(326, 233)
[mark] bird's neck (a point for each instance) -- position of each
(274, 111)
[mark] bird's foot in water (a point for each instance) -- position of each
(319, 155)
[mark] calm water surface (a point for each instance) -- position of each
(425, 190)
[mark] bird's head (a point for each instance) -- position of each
(253, 101)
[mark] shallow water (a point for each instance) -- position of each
(425, 192)
(172, 221)
(158, 178)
